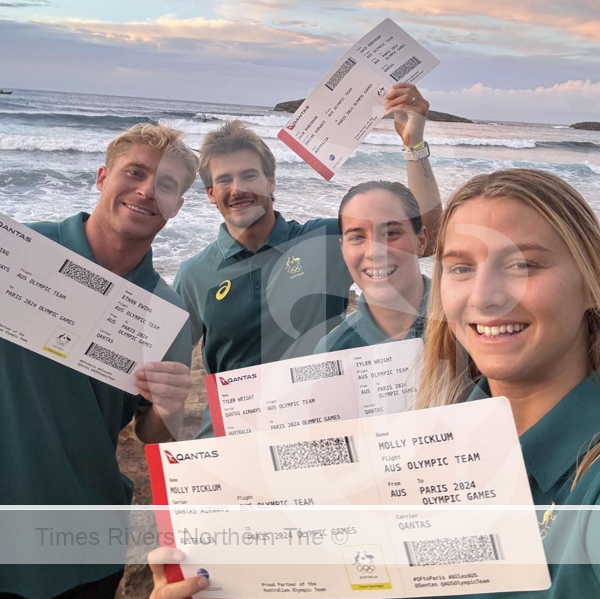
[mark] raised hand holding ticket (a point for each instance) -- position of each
(348, 102)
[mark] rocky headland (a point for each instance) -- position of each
(441, 117)
(587, 126)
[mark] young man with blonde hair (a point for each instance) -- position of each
(59, 427)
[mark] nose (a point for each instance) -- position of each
(238, 187)
(376, 251)
(146, 188)
(489, 292)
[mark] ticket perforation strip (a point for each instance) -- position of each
(297, 509)
(65, 307)
(348, 102)
(341, 385)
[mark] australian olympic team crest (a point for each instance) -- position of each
(294, 267)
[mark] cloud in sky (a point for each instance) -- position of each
(25, 4)
(581, 17)
(245, 60)
(199, 28)
(563, 103)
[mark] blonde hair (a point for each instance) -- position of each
(162, 137)
(449, 373)
(233, 136)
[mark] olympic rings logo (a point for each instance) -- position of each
(293, 265)
(367, 568)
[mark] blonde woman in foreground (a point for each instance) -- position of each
(515, 311)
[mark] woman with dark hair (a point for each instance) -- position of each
(382, 238)
(384, 231)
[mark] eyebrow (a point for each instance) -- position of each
(520, 247)
(248, 171)
(381, 226)
(393, 222)
(352, 230)
(140, 165)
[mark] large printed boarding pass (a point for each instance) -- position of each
(348, 102)
(352, 383)
(421, 503)
(60, 305)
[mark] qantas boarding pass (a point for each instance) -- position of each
(348, 102)
(421, 503)
(353, 383)
(60, 305)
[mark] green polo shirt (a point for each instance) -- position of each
(59, 431)
(276, 303)
(360, 330)
(552, 449)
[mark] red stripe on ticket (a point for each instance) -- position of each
(212, 391)
(305, 154)
(163, 517)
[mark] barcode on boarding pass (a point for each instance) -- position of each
(314, 454)
(410, 65)
(85, 277)
(314, 372)
(457, 550)
(337, 77)
(110, 358)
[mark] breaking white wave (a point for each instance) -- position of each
(267, 120)
(593, 167)
(29, 143)
(474, 141)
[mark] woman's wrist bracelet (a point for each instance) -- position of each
(418, 152)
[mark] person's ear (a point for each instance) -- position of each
(423, 238)
(211, 196)
(100, 178)
(271, 185)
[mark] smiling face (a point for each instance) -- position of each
(380, 246)
(140, 191)
(241, 191)
(512, 293)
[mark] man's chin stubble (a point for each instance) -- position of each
(243, 221)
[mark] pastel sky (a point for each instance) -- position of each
(524, 60)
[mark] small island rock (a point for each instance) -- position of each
(587, 126)
(442, 117)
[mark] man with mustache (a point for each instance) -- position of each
(268, 289)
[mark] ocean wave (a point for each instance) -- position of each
(26, 143)
(182, 114)
(560, 127)
(581, 146)
(71, 119)
(593, 167)
(518, 144)
(284, 154)
(266, 120)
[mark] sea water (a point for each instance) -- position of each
(51, 145)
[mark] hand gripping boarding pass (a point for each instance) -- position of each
(63, 306)
(422, 503)
(348, 102)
